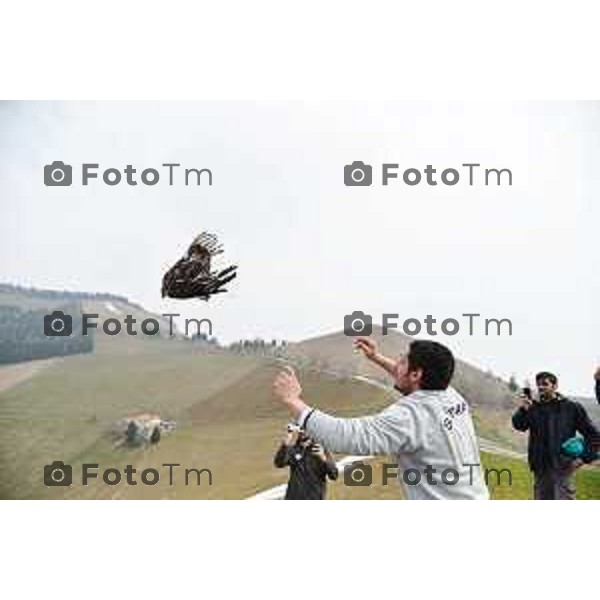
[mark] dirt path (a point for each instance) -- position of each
(493, 448)
(11, 375)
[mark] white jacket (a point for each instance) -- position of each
(425, 430)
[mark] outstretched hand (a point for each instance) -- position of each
(287, 390)
(368, 346)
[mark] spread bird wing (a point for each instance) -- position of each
(191, 276)
(177, 282)
(207, 242)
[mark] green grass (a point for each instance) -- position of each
(496, 426)
(587, 480)
(227, 421)
(64, 413)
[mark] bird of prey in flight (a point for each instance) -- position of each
(191, 276)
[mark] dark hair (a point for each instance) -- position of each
(436, 361)
(551, 377)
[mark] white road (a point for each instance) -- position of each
(278, 492)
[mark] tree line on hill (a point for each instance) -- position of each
(259, 346)
(255, 346)
(22, 336)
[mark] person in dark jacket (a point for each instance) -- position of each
(310, 465)
(551, 419)
(597, 378)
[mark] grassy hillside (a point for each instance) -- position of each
(587, 480)
(65, 411)
(105, 305)
(333, 352)
(488, 395)
(227, 420)
(592, 407)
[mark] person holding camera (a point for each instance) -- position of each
(552, 420)
(309, 463)
(429, 429)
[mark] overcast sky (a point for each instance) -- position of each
(310, 249)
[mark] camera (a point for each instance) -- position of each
(57, 173)
(358, 474)
(357, 323)
(358, 173)
(58, 324)
(58, 474)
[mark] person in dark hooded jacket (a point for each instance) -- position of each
(309, 463)
(551, 420)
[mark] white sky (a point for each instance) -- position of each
(310, 249)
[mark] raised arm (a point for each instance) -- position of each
(368, 346)
(520, 418)
(391, 431)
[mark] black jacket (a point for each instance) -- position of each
(308, 473)
(598, 390)
(550, 424)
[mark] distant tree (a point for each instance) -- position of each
(22, 335)
(513, 386)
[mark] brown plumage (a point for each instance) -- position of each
(191, 277)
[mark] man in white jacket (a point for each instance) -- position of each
(429, 431)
